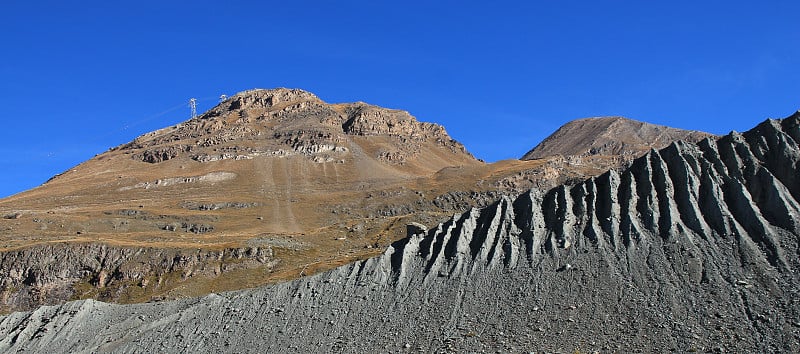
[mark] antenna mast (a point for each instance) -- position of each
(193, 106)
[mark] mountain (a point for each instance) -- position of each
(267, 186)
(274, 181)
(692, 248)
(609, 136)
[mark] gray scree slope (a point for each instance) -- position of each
(692, 247)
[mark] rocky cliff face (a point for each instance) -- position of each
(55, 273)
(692, 248)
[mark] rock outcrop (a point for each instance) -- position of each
(55, 273)
(291, 121)
(692, 248)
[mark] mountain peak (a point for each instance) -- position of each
(614, 135)
(283, 122)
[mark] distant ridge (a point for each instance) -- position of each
(610, 136)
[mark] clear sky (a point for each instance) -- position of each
(77, 78)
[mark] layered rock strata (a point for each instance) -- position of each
(55, 273)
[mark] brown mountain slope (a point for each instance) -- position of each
(610, 136)
(273, 154)
(267, 186)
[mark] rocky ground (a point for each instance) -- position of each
(692, 248)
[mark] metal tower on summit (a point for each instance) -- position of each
(193, 106)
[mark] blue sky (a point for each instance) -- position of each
(500, 76)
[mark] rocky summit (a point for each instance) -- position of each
(292, 122)
(691, 248)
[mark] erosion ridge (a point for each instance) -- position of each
(693, 247)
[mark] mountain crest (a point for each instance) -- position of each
(616, 136)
